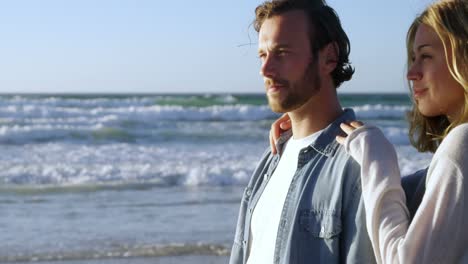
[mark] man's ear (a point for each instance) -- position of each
(330, 57)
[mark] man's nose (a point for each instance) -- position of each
(269, 66)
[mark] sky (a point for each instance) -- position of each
(160, 46)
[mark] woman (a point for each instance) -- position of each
(437, 45)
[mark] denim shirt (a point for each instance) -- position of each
(323, 218)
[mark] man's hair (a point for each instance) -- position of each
(449, 19)
(324, 28)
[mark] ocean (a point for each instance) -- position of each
(142, 178)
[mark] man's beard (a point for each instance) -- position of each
(297, 93)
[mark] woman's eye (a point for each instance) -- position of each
(425, 56)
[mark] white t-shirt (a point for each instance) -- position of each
(267, 212)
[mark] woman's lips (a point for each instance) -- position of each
(418, 92)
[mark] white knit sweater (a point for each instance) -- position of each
(438, 232)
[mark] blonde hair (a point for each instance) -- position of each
(449, 19)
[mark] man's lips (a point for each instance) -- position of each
(275, 88)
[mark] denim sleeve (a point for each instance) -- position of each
(356, 246)
(240, 241)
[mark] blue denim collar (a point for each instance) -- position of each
(325, 143)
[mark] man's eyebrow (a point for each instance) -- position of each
(275, 47)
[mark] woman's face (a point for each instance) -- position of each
(435, 91)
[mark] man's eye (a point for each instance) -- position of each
(282, 53)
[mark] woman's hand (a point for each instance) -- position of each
(277, 128)
(348, 128)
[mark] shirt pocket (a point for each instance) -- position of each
(320, 223)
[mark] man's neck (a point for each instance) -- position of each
(314, 116)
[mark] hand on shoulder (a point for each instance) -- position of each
(348, 128)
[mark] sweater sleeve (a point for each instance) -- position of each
(434, 235)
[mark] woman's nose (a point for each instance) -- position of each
(414, 73)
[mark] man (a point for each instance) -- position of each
(303, 205)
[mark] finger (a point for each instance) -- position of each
(347, 128)
(284, 122)
(286, 125)
(356, 124)
(275, 127)
(275, 131)
(340, 139)
(284, 117)
(272, 143)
